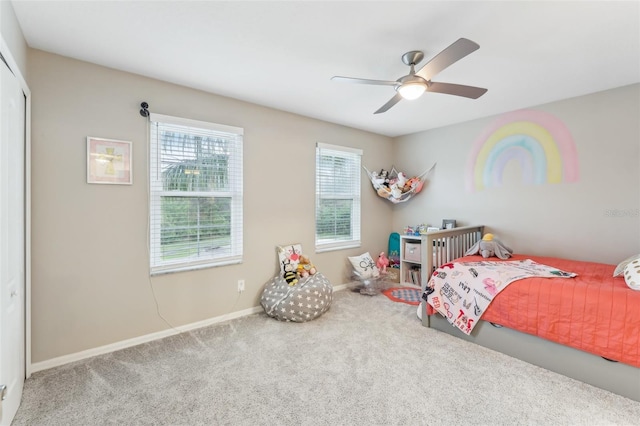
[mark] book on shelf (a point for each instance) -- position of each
(413, 276)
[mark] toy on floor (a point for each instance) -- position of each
(382, 263)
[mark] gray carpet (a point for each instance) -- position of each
(367, 361)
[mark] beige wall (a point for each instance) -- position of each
(567, 219)
(90, 283)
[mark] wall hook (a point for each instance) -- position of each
(144, 111)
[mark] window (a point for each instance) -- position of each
(195, 194)
(337, 197)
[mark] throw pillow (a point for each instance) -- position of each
(632, 274)
(289, 253)
(364, 266)
(620, 268)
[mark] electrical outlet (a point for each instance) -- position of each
(240, 286)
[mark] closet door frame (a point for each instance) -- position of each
(13, 65)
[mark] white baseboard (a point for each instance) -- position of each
(101, 350)
(343, 286)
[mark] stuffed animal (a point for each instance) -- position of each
(289, 275)
(382, 262)
(384, 174)
(490, 246)
(410, 184)
(377, 180)
(305, 267)
(401, 180)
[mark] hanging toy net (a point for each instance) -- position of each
(396, 186)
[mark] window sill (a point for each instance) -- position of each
(162, 270)
(350, 245)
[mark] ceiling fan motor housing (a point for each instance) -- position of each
(413, 57)
(412, 86)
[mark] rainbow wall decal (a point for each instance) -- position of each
(537, 140)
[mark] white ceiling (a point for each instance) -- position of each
(283, 54)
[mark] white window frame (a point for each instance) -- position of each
(329, 244)
(235, 253)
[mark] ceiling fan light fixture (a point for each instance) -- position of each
(412, 90)
(414, 84)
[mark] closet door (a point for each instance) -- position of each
(12, 244)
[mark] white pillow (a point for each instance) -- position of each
(632, 274)
(364, 266)
(290, 253)
(620, 268)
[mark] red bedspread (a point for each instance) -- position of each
(593, 312)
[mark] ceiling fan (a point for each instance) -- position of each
(414, 84)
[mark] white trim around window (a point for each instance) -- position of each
(338, 198)
(196, 194)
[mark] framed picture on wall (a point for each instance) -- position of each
(109, 161)
(448, 223)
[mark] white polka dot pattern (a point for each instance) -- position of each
(632, 274)
(305, 301)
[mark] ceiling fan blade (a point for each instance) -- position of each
(365, 81)
(456, 89)
(458, 50)
(397, 98)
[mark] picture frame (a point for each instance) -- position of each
(109, 161)
(448, 223)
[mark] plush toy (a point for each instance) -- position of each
(377, 180)
(384, 176)
(410, 184)
(289, 275)
(488, 247)
(305, 267)
(382, 263)
(401, 180)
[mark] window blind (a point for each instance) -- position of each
(337, 197)
(196, 195)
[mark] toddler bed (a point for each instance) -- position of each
(574, 326)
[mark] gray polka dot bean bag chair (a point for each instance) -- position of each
(307, 300)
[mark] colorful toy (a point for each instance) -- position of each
(490, 246)
(411, 183)
(289, 275)
(305, 267)
(289, 254)
(394, 250)
(396, 186)
(382, 263)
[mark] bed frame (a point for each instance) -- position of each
(447, 245)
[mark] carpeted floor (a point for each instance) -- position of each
(367, 361)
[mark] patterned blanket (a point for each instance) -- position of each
(461, 292)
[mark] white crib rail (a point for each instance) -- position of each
(444, 246)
